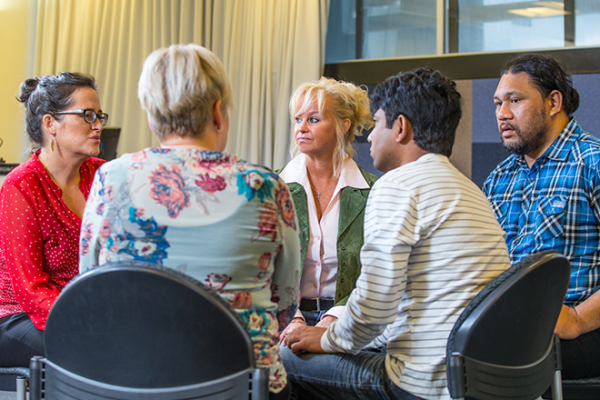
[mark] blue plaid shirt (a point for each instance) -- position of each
(554, 206)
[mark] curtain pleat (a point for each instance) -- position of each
(268, 48)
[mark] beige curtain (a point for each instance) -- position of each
(268, 48)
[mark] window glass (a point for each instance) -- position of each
(385, 28)
(495, 25)
(405, 28)
(587, 17)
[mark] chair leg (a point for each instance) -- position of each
(21, 388)
(557, 386)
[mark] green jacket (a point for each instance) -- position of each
(350, 232)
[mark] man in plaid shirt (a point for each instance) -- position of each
(546, 195)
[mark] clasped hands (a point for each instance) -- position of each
(299, 337)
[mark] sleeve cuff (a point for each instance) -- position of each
(298, 315)
(325, 344)
(336, 311)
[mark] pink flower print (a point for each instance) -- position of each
(254, 180)
(217, 281)
(209, 184)
(107, 193)
(100, 209)
(267, 221)
(168, 189)
(264, 261)
(238, 301)
(137, 160)
(145, 248)
(210, 160)
(104, 229)
(285, 205)
(86, 236)
(139, 156)
(139, 212)
(255, 322)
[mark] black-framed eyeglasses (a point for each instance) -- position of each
(88, 115)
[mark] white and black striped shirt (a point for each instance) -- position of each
(432, 243)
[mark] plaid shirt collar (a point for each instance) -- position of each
(561, 147)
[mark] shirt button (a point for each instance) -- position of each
(342, 280)
(344, 264)
(343, 249)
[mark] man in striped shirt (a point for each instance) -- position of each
(546, 195)
(431, 244)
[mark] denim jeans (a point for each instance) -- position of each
(312, 318)
(340, 376)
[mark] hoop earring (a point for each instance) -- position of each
(52, 144)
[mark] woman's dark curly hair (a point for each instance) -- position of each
(47, 95)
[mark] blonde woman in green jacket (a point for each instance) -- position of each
(330, 194)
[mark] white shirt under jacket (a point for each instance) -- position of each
(319, 275)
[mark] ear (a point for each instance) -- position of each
(49, 124)
(218, 117)
(405, 129)
(345, 123)
(556, 99)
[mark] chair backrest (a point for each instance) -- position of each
(510, 323)
(143, 326)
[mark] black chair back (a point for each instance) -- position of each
(142, 326)
(503, 343)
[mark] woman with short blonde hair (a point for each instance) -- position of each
(188, 205)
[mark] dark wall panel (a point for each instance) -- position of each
(485, 129)
(485, 158)
(588, 114)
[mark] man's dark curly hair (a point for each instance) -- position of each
(547, 75)
(429, 100)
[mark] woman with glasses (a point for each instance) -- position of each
(41, 205)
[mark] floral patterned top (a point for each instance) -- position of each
(225, 222)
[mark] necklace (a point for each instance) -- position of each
(322, 191)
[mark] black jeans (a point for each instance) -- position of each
(581, 356)
(19, 340)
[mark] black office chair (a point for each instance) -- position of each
(503, 344)
(14, 379)
(135, 330)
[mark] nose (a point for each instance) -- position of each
(503, 112)
(369, 137)
(302, 125)
(97, 125)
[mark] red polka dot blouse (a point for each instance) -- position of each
(39, 239)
